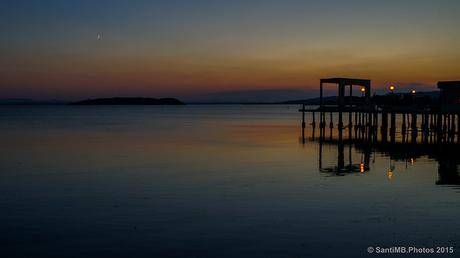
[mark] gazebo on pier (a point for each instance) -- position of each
(342, 83)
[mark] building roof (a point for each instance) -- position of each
(347, 81)
(449, 85)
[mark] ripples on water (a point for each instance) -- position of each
(210, 181)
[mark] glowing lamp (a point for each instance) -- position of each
(413, 91)
(363, 89)
(392, 87)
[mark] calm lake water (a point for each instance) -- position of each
(207, 181)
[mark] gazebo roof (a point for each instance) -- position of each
(449, 85)
(347, 81)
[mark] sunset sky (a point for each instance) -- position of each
(195, 50)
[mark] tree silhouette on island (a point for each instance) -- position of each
(129, 101)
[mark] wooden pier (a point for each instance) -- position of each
(366, 121)
(381, 125)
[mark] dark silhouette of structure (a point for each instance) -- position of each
(400, 131)
(342, 83)
(427, 123)
(450, 95)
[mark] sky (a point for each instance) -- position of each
(200, 50)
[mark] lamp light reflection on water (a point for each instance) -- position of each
(390, 170)
(390, 174)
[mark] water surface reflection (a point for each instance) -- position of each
(201, 181)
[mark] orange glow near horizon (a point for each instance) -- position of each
(176, 76)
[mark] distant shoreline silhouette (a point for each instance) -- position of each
(422, 97)
(129, 101)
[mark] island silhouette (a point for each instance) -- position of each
(129, 101)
